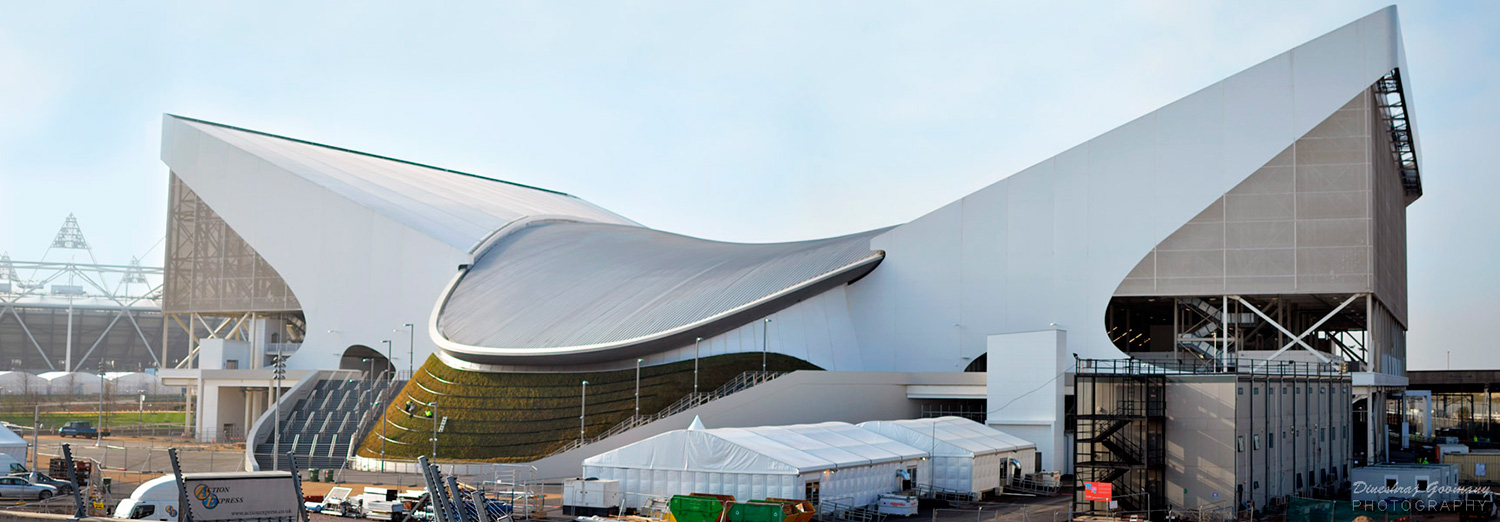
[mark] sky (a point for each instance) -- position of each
(752, 121)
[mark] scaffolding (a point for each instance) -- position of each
(65, 313)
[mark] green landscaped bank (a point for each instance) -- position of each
(519, 417)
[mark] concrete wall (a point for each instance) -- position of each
(1025, 388)
(1200, 445)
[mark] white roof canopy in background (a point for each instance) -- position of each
(949, 436)
(780, 450)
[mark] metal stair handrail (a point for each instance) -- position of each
(741, 382)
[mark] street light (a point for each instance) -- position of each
(99, 428)
(432, 414)
(411, 344)
(140, 415)
(381, 415)
(638, 387)
(696, 344)
(279, 364)
(583, 401)
(765, 340)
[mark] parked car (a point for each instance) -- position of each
(83, 429)
(17, 487)
(62, 486)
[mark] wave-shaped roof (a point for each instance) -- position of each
(573, 291)
(457, 208)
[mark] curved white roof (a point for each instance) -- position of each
(457, 208)
(564, 289)
(949, 436)
(777, 450)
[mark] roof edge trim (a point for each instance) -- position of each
(540, 356)
(362, 153)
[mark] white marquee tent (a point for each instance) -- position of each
(966, 455)
(71, 383)
(21, 383)
(827, 462)
(12, 444)
(132, 383)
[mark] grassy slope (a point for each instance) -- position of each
(517, 417)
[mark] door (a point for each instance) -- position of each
(10, 487)
(810, 491)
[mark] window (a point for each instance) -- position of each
(1299, 480)
(1255, 441)
(1422, 482)
(1391, 482)
(1240, 390)
(1270, 441)
(142, 511)
(1283, 390)
(1255, 485)
(231, 364)
(1254, 391)
(1239, 443)
(1322, 433)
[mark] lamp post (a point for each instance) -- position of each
(411, 344)
(696, 345)
(140, 413)
(765, 341)
(99, 428)
(433, 414)
(278, 364)
(583, 404)
(381, 415)
(638, 387)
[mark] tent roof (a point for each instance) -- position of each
(949, 436)
(9, 439)
(58, 374)
(780, 450)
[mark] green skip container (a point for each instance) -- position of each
(687, 508)
(757, 511)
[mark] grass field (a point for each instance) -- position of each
(52, 421)
(516, 417)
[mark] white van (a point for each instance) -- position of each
(9, 465)
(154, 500)
(270, 493)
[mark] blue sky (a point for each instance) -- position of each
(755, 121)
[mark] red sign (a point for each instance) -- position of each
(1098, 491)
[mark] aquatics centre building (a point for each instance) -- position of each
(1250, 236)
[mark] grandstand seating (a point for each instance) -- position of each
(321, 427)
(519, 417)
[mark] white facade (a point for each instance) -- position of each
(966, 455)
(841, 462)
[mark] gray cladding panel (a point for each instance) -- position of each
(580, 284)
(1302, 223)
